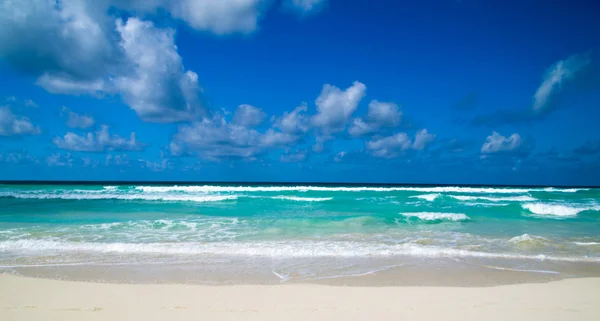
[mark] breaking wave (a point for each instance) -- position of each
(557, 209)
(524, 198)
(431, 216)
(108, 196)
(275, 249)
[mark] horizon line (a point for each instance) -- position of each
(166, 182)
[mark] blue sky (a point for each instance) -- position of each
(464, 92)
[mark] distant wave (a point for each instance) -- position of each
(303, 199)
(556, 209)
(279, 249)
(107, 196)
(428, 197)
(438, 189)
(524, 198)
(431, 216)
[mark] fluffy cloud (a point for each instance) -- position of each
(392, 146)
(422, 139)
(11, 124)
(563, 70)
(293, 122)
(496, 143)
(248, 116)
(75, 120)
(59, 159)
(99, 141)
(76, 48)
(216, 138)
(379, 115)
(158, 88)
(82, 47)
(339, 156)
(116, 160)
(336, 106)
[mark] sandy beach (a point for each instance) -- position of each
(40, 299)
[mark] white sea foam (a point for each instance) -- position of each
(303, 199)
(557, 209)
(279, 249)
(428, 197)
(523, 198)
(587, 243)
(431, 216)
(144, 197)
(527, 238)
(434, 189)
(110, 188)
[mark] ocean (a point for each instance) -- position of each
(223, 234)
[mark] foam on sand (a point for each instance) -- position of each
(273, 249)
(433, 216)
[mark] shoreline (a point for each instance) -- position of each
(36, 299)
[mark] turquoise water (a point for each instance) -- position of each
(295, 231)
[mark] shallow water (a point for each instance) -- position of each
(235, 233)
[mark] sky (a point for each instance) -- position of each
(430, 92)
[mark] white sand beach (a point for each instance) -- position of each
(41, 299)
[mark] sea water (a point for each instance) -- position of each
(233, 233)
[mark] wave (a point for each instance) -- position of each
(556, 209)
(431, 216)
(303, 199)
(587, 243)
(132, 197)
(428, 197)
(275, 249)
(523, 198)
(438, 189)
(529, 241)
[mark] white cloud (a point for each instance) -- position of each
(58, 159)
(248, 116)
(99, 141)
(159, 89)
(496, 143)
(339, 156)
(75, 48)
(305, 6)
(392, 146)
(11, 124)
(156, 166)
(335, 106)
(561, 71)
(17, 158)
(422, 139)
(116, 160)
(379, 115)
(216, 138)
(75, 120)
(294, 121)
(388, 147)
